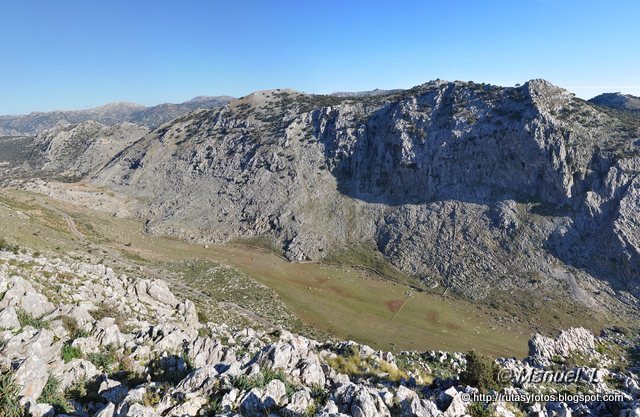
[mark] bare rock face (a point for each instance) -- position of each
(470, 186)
(458, 184)
(575, 340)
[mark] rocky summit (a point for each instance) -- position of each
(83, 339)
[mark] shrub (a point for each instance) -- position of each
(205, 332)
(9, 400)
(151, 398)
(246, 383)
(481, 372)
(6, 246)
(84, 391)
(70, 353)
(108, 310)
(103, 360)
(27, 319)
(163, 369)
(53, 395)
(202, 317)
(479, 410)
(71, 326)
(319, 395)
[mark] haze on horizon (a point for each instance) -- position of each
(76, 55)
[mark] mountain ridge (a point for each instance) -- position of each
(110, 113)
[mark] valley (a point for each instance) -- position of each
(315, 298)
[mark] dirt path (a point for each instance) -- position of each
(400, 309)
(70, 223)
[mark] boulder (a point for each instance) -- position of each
(112, 391)
(200, 380)
(359, 401)
(31, 376)
(33, 342)
(20, 294)
(9, 319)
(41, 410)
(275, 395)
(76, 370)
(107, 411)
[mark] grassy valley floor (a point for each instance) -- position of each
(237, 282)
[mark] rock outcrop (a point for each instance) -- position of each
(115, 346)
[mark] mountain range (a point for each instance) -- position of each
(108, 114)
(478, 188)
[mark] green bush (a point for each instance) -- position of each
(9, 400)
(6, 246)
(102, 360)
(70, 353)
(319, 395)
(481, 372)
(246, 383)
(202, 317)
(84, 391)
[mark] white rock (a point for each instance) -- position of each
(32, 376)
(9, 319)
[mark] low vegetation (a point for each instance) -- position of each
(27, 319)
(261, 379)
(53, 395)
(350, 362)
(9, 399)
(481, 372)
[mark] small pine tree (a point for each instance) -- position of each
(481, 372)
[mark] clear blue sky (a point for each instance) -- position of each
(77, 54)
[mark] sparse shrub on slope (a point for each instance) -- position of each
(53, 395)
(9, 400)
(481, 372)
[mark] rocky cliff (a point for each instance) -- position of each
(472, 186)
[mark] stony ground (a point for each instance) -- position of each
(82, 339)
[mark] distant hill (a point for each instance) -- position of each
(109, 114)
(617, 101)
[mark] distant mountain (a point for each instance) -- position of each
(109, 114)
(617, 101)
(370, 93)
(67, 152)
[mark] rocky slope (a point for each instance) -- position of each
(67, 152)
(109, 114)
(80, 338)
(617, 101)
(471, 186)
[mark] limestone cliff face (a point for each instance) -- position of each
(469, 185)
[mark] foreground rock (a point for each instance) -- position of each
(152, 357)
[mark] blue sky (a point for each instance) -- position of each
(78, 54)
